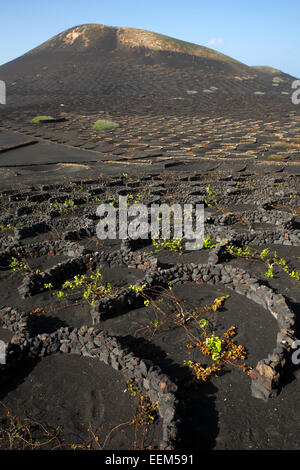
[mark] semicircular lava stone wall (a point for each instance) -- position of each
(94, 343)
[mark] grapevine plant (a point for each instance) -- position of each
(223, 350)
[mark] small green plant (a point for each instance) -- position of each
(283, 264)
(146, 412)
(95, 199)
(48, 285)
(223, 351)
(212, 195)
(270, 261)
(264, 253)
(103, 124)
(19, 265)
(77, 190)
(91, 287)
(5, 227)
(207, 244)
(138, 289)
(214, 345)
(270, 272)
(20, 434)
(39, 209)
(133, 199)
(174, 245)
(63, 207)
(295, 275)
(126, 177)
(238, 251)
(38, 119)
(280, 145)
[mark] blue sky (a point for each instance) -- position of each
(255, 32)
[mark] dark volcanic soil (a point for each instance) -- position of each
(218, 414)
(82, 398)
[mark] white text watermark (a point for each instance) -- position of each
(2, 352)
(2, 92)
(296, 353)
(139, 221)
(296, 93)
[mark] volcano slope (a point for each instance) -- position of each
(94, 67)
(157, 347)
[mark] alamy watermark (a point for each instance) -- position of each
(139, 221)
(296, 353)
(2, 352)
(2, 92)
(296, 93)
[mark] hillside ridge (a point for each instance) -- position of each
(86, 35)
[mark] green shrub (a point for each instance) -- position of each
(38, 119)
(103, 124)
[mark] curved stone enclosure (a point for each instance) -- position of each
(93, 342)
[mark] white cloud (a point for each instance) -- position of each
(216, 42)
